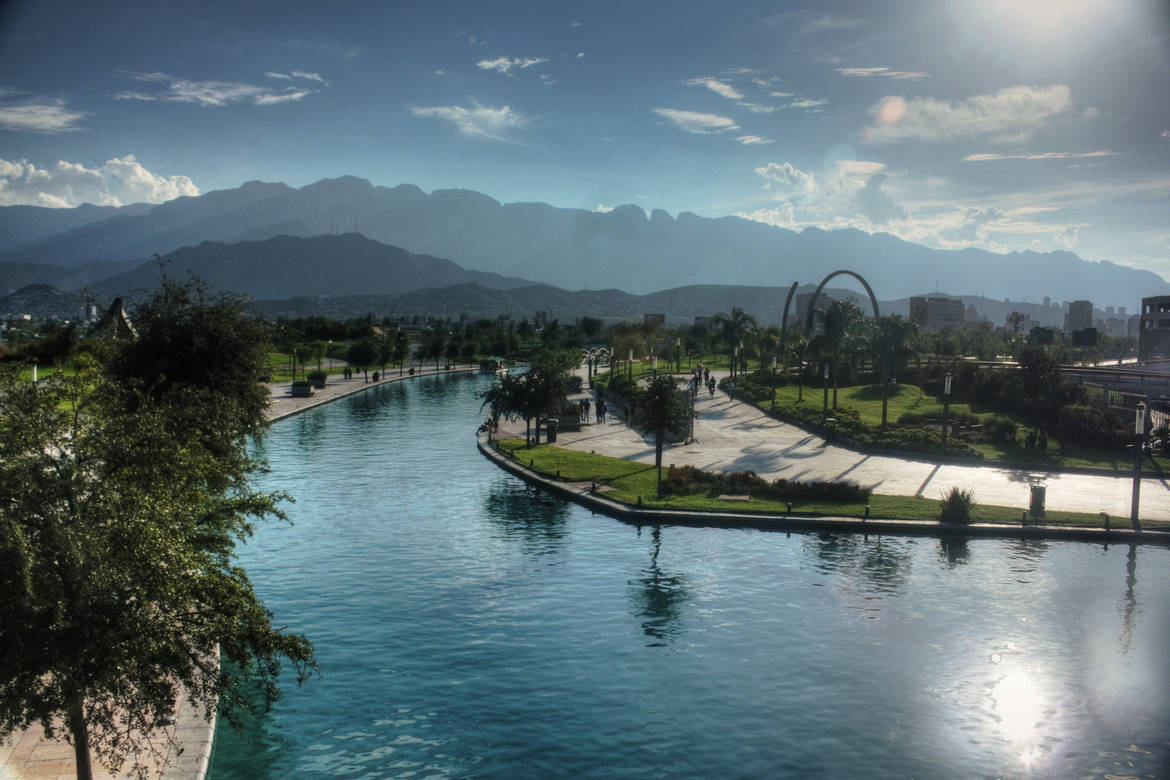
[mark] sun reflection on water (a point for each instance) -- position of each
(1018, 704)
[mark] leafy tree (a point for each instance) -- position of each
(843, 319)
(118, 523)
(534, 393)
(734, 328)
(662, 408)
(363, 354)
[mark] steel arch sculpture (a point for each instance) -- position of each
(812, 307)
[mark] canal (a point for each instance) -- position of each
(467, 625)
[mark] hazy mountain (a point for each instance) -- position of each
(14, 276)
(287, 266)
(574, 248)
(20, 225)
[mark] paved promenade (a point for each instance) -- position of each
(734, 436)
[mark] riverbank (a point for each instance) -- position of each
(586, 494)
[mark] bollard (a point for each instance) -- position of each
(866, 513)
(789, 507)
(592, 487)
(558, 473)
(639, 501)
(1106, 522)
(1024, 517)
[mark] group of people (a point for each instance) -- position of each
(599, 410)
(703, 378)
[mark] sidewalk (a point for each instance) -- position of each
(734, 436)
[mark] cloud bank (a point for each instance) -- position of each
(1012, 114)
(21, 112)
(118, 182)
(222, 93)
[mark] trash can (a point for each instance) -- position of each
(551, 425)
(1036, 507)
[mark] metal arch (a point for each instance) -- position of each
(812, 306)
(784, 316)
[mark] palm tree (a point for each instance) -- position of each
(842, 321)
(735, 327)
(662, 408)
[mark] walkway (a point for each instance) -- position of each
(734, 436)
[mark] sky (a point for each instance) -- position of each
(998, 124)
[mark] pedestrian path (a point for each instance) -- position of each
(735, 436)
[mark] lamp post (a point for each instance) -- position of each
(825, 411)
(1139, 429)
(946, 409)
(630, 366)
(677, 355)
(734, 360)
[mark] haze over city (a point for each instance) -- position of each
(997, 125)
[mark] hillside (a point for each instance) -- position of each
(287, 266)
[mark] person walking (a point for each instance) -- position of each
(711, 386)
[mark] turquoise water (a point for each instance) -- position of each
(467, 625)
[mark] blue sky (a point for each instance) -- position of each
(999, 124)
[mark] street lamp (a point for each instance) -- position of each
(826, 384)
(946, 409)
(1139, 432)
(677, 355)
(630, 366)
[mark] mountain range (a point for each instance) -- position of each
(622, 249)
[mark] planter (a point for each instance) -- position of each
(302, 389)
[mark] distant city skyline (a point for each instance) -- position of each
(997, 124)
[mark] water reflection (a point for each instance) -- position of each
(375, 403)
(310, 431)
(1129, 604)
(1025, 555)
(953, 551)
(519, 512)
(658, 598)
(879, 564)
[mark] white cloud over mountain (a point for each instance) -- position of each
(483, 122)
(696, 122)
(21, 112)
(221, 93)
(1011, 114)
(117, 182)
(506, 65)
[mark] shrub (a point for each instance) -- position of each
(574, 384)
(956, 506)
(683, 480)
(1000, 429)
(315, 374)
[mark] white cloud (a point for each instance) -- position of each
(117, 182)
(902, 75)
(1011, 114)
(759, 108)
(547, 80)
(808, 103)
(695, 122)
(601, 208)
(485, 122)
(23, 113)
(505, 65)
(580, 54)
(750, 140)
(1038, 155)
(220, 93)
(716, 86)
(864, 168)
(789, 178)
(1166, 133)
(831, 22)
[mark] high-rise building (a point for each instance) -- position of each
(1080, 316)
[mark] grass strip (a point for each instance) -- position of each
(631, 480)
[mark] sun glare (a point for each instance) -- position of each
(1045, 18)
(1018, 704)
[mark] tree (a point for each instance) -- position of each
(893, 337)
(842, 321)
(533, 393)
(363, 353)
(118, 525)
(734, 328)
(662, 408)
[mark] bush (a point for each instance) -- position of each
(575, 384)
(1000, 429)
(686, 480)
(1084, 424)
(315, 374)
(956, 506)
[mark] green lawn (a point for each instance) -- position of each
(632, 481)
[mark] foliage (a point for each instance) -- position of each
(662, 408)
(1084, 425)
(119, 515)
(682, 480)
(956, 506)
(364, 353)
(539, 391)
